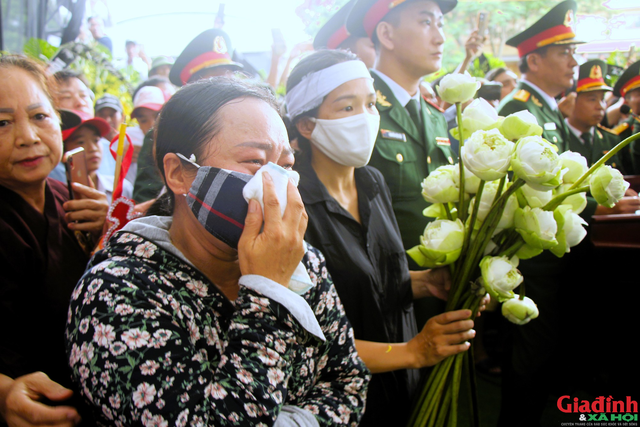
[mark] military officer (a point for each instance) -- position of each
(547, 65)
(628, 86)
(207, 55)
(589, 138)
(413, 137)
(334, 35)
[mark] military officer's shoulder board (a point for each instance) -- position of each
(617, 130)
(611, 131)
(433, 104)
(395, 136)
(522, 95)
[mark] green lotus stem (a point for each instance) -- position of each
(433, 389)
(457, 375)
(447, 209)
(484, 234)
(463, 212)
(472, 222)
(513, 249)
(557, 201)
(522, 292)
(500, 188)
(435, 394)
(445, 409)
(472, 385)
(604, 159)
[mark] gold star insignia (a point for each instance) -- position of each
(596, 72)
(382, 100)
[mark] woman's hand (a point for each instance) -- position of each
(276, 252)
(444, 335)
(19, 405)
(435, 282)
(90, 212)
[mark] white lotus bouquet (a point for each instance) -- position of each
(486, 222)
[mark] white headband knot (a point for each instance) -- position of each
(309, 93)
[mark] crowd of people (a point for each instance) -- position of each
(189, 315)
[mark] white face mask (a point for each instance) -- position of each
(348, 141)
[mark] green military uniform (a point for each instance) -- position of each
(631, 126)
(603, 141)
(630, 81)
(406, 155)
(148, 182)
(525, 97)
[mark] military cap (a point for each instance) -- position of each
(366, 14)
(556, 27)
(210, 49)
(334, 32)
(629, 80)
(591, 76)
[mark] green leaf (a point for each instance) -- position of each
(39, 49)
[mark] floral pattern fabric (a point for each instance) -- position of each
(151, 341)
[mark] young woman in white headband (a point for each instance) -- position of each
(331, 106)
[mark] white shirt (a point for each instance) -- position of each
(398, 91)
(550, 100)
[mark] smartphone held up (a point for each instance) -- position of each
(76, 167)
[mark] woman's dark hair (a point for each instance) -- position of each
(190, 119)
(317, 61)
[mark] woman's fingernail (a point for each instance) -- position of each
(266, 176)
(252, 205)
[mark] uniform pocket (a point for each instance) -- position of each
(402, 167)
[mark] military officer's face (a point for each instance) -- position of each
(418, 40)
(556, 68)
(632, 98)
(590, 108)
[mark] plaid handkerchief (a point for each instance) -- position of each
(216, 200)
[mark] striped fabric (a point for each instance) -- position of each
(216, 200)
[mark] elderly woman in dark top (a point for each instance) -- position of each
(177, 323)
(40, 259)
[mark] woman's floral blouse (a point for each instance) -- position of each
(152, 342)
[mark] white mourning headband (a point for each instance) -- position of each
(309, 93)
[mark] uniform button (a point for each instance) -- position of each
(399, 158)
(429, 159)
